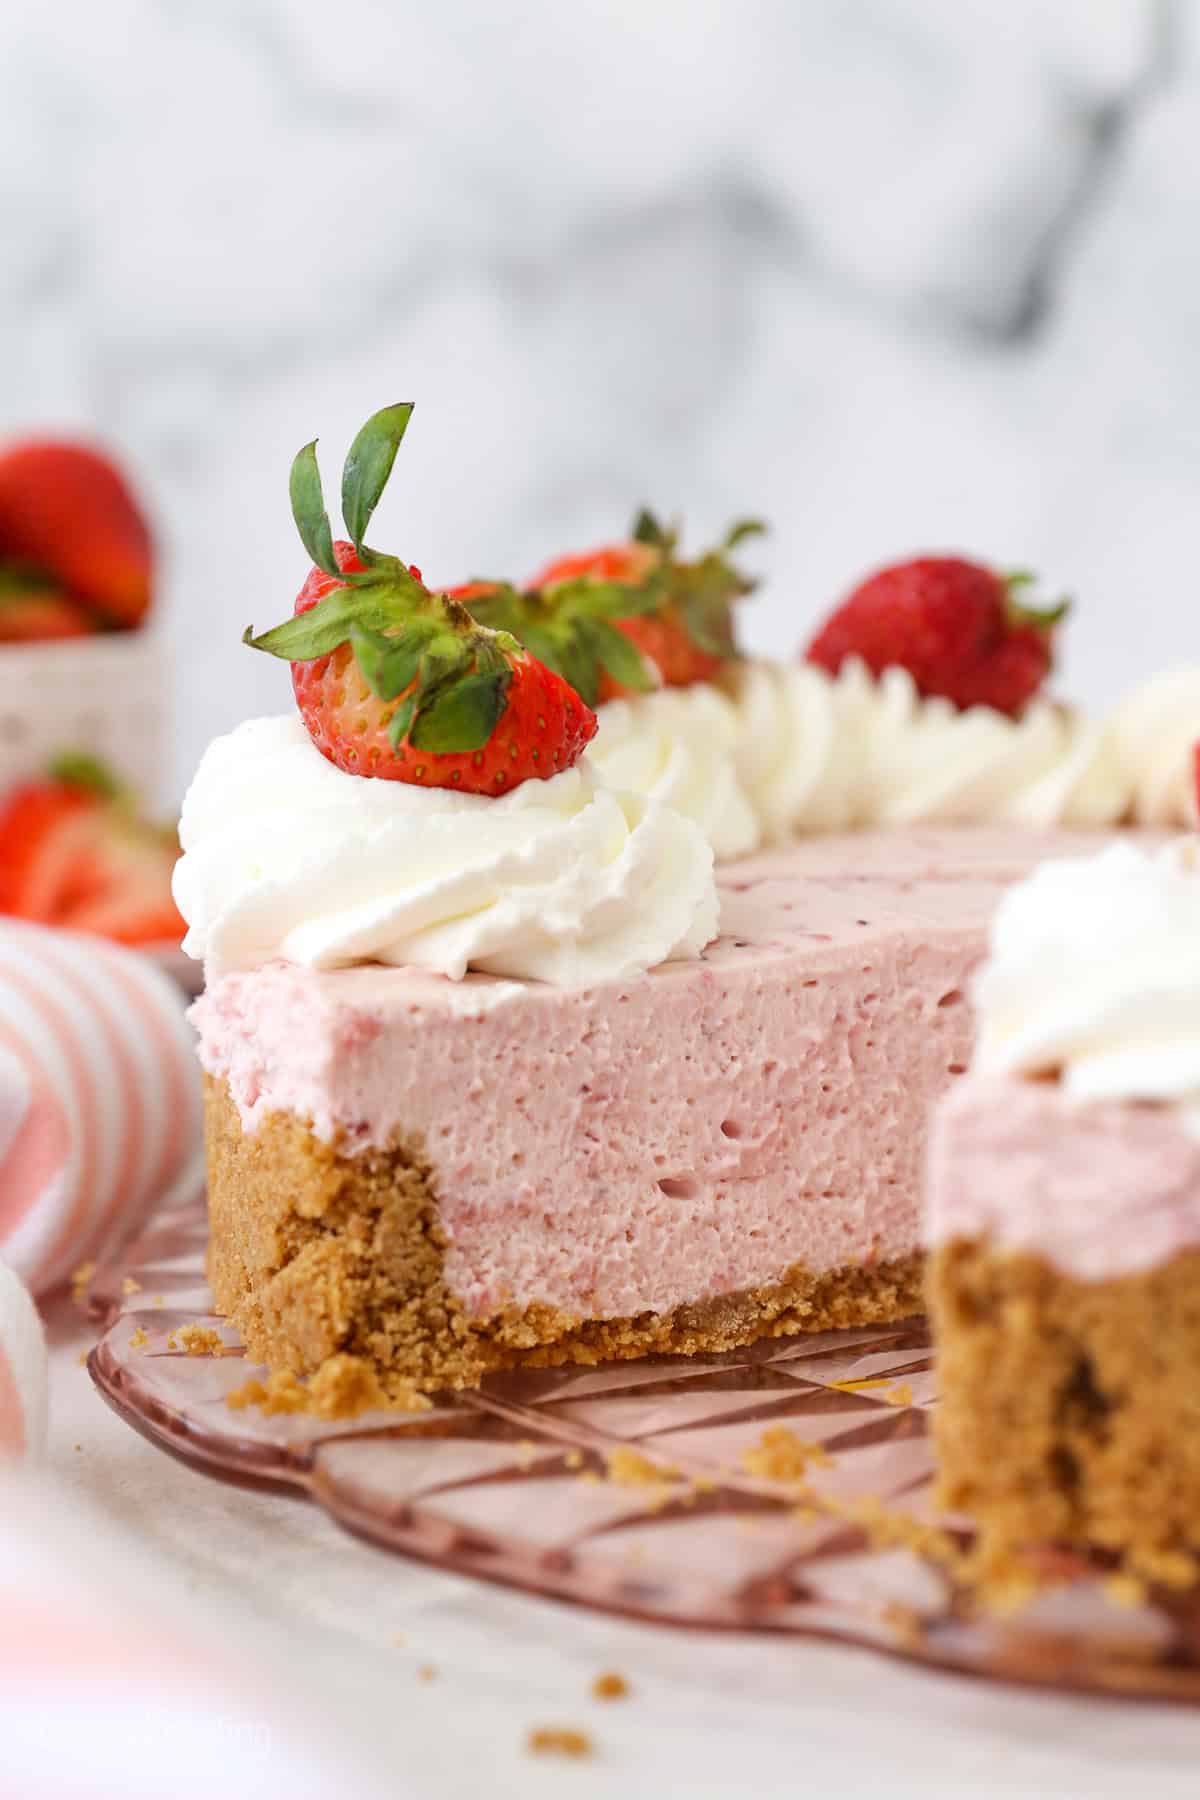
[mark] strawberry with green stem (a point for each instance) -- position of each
(628, 617)
(400, 683)
(964, 632)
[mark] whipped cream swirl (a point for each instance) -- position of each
(566, 881)
(1094, 974)
(818, 752)
(1157, 728)
(677, 744)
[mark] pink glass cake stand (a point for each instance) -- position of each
(521, 1484)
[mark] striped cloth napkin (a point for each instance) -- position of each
(99, 1098)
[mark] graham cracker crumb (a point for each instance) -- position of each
(80, 1278)
(574, 1459)
(130, 1286)
(780, 1455)
(399, 1640)
(426, 1672)
(862, 1386)
(197, 1340)
(342, 1388)
(903, 1621)
(558, 1740)
(1125, 1591)
(526, 1450)
(81, 1359)
(610, 1686)
(159, 1300)
(138, 1339)
(629, 1468)
(900, 1395)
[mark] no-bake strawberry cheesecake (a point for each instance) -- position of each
(535, 1032)
(1064, 1217)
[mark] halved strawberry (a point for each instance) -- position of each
(73, 852)
(626, 617)
(68, 512)
(399, 683)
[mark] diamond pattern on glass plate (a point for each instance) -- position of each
(667, 1489)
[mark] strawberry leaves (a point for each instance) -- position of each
(570, 628)
(458, 683)
(308, 509)
(1021, 611)
(449, 676)
(364, 477)
(367, 467)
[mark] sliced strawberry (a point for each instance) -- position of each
(136, 910)
(74, 853)
(401, 684)
(39, 846)
(67, 511)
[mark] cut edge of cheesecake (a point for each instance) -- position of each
(331, 1266)
(1061, 1408)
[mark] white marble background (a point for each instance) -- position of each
(899, 274)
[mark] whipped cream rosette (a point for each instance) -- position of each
(1094, 976)
(565, 880)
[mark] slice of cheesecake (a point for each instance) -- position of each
(1065, 1293)
(440, 1178)
(1064, 1221)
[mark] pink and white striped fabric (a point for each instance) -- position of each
(99, 1098)
(23, 1372)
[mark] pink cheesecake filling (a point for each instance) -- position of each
(691, 1133)
(1099, 1188)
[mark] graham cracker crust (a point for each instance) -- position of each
(331, 1268)
(1069, 1411)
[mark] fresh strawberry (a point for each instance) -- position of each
(68, 513)
(963, 631)
(32, 609)
(73, 852)
(38, 845)
(397, 682)
(627, 617)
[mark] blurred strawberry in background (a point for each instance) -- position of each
(76, 554)
(75, 851)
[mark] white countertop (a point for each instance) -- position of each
(708, 1715)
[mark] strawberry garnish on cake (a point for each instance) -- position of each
(75, 852)
(75, 549)
(964, 632)
(401, 683)
(628, 617)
